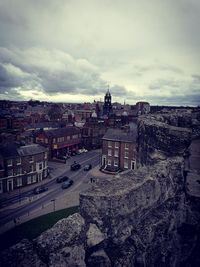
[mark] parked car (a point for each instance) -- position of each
(75, 166)
(40, 189)
(67, 184)
(88, 167)
(62, 179)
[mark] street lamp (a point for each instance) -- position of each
(54, 204)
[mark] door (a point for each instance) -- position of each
(132, 164)
(10, 185)
(103, 163)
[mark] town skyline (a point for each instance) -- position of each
(69, 51)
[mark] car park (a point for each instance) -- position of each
(62, 179)
(88, 167)
(67, 184)
(75, 166)
(40, 189)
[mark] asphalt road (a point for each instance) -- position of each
(54, 189)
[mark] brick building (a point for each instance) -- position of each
(118, 150)
(21, 165)
(59, 142)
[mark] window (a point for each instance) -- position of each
(18, 171)
(10, 172)
(68, 137)
(31, 158)
(31, 168)
(125, 164)
(29, 180)
(116, 163)
(126, 154)
(54, 140)
(109, 162)
(116, 153)
(18, 161)
(19, 181)
(45, 155)
(109, 144)
(46, 141)
(9, 162)
(109, 152)
(45, 164)
(116, 144)
(40, 166)
(126, 146)
(34, 178)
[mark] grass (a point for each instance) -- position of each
(34, 227)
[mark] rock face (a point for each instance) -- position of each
(140, 218)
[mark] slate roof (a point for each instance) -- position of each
(62, 132)
(31, 150)
(13, 150)
(119, 135)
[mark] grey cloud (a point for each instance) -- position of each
(142, 69)
(52, 71)
(118, 91)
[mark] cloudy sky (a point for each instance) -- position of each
(70, 50)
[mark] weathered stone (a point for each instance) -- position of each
(99, 259)
(94, 235)
(66, 232)
(73, 256)
(21, 254)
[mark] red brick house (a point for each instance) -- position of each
(118, 150)
(21, 165)
(59, 142)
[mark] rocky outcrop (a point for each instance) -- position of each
(144, 217)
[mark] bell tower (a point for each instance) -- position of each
(107, 106)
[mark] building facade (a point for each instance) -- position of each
(22, 165)
(59, 142)
(118, 151)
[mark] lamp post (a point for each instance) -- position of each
(54, 204)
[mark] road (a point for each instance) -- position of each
(54, 189)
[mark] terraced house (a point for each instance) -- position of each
(22, 165)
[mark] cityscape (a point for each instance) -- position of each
(99, 133)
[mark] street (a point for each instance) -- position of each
(20, 203)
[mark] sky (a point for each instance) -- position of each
(72, 50)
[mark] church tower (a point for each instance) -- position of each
(107, 106)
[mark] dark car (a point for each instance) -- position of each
(67, 184)
(40, 189)
(62, 179)
(75, 166)
(87, 167)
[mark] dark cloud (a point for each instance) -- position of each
(53, 72)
